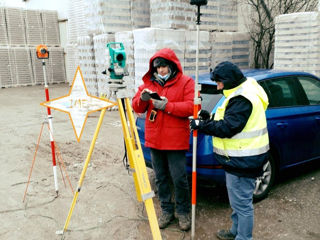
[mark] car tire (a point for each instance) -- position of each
(265, 182)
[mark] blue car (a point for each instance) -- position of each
(293, 120)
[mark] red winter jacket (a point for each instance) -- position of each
(170, 130)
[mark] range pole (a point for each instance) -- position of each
(43, 53)
(197, 104)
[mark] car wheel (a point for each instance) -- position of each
(265, 182)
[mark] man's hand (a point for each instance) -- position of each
(160, 104)
(195, 124)
(145, 94)
(204, 115)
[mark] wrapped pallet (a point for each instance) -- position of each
(72, 61)
(34, 30)
(50, 28)
(219, 15)
(168, 14)
(56, 66)
(87, 63)
(15, 26)
(149, 40)
(297, 42)
(230, 46)
(77, 25)
(6, 75)
(190, 52)
(20, 63)
(3, 28)
(108, 16)
(240, 49)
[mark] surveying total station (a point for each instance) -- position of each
(134, 152)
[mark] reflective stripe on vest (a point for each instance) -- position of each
(253, 139)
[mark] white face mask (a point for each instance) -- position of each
(165, 77)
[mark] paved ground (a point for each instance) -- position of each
(107, 207)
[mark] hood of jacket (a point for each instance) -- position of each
(167, 54)
(229, 74)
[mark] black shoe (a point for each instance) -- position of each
(184, 222)
(225, 235)
(165, 219)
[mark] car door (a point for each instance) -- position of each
(290, 122)
(311, 87)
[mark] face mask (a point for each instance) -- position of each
(165, 77)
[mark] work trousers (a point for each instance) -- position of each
(171, 164)
(240, 192)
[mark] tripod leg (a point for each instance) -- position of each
(83, 173)
(33, 161)
(136, 160)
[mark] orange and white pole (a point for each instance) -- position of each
(54, 163)
(196, 107)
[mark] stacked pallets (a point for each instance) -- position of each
(20, 32)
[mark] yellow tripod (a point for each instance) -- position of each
(136, 161)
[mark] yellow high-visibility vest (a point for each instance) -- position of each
(253, 139)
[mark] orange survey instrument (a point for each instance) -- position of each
(42, 52)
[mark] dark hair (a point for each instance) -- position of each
(160, 62)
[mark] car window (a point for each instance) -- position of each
(312, 89)
(209, 99)
(281, 91)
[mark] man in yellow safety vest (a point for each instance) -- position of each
(240, 142)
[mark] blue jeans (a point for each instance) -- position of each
(166, 164)
(240, 192)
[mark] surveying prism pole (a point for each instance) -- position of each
(43, 53)
(197, 103)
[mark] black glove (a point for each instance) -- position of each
(145, 95)
(196, 124)
(204, 115)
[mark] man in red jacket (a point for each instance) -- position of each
(167, 131)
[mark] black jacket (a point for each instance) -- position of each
(235, 119)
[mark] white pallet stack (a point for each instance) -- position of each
(230, 46)
(140, 13)
(108, 16)
(149, 40)
(170, 14)
(87, 63)
(56, 68)
(15, 26)
(34, 31)
(240, 49)
(3, 28)
(21, 66)
(6, 78)
(228, 15)
(76, 20)
(190, 52)
(221, 43)
(72, 61)
(51, 28)
(102, 61)
(297, 42)
(219, 15)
